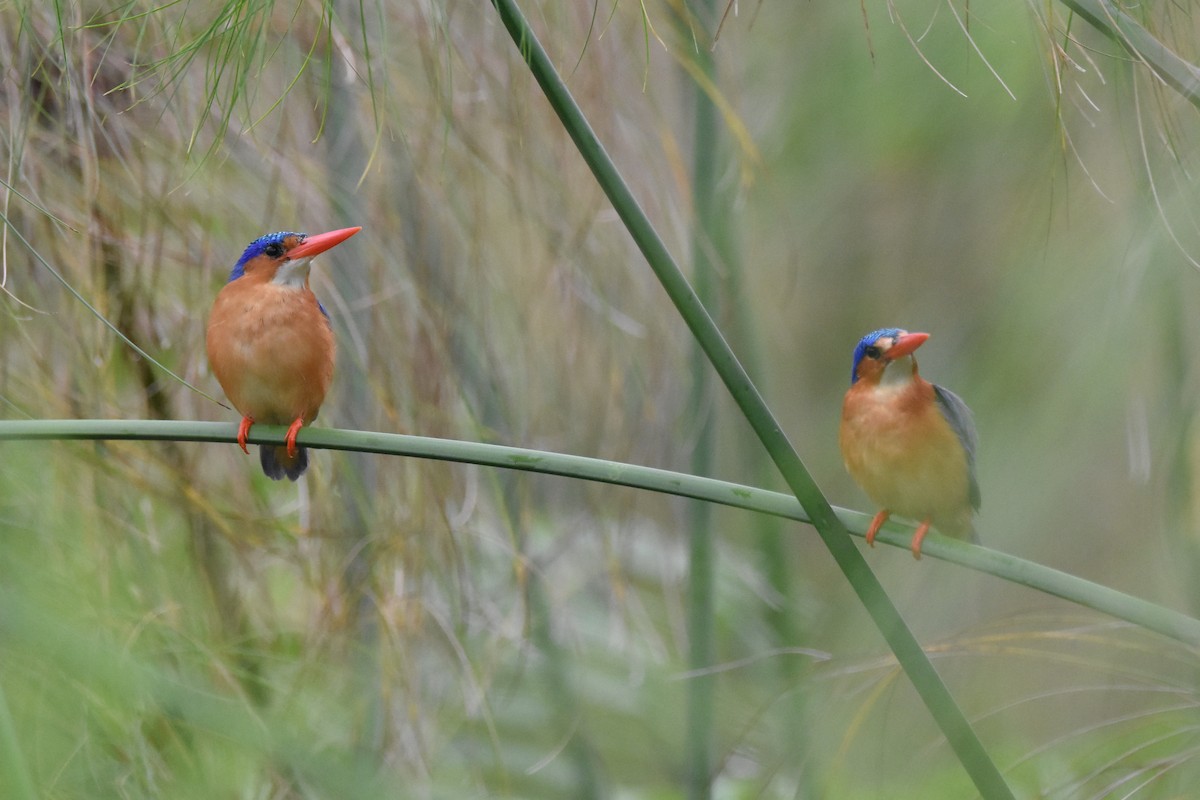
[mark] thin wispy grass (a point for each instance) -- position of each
(1118, 24)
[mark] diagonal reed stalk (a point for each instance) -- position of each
(912, 658)
(1111, 20)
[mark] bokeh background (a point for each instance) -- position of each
(175, 625)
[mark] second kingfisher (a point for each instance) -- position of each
(908, 443)
(270, 344)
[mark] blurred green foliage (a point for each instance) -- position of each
(174, 625)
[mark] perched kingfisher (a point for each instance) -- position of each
(270, 344)
(908, 443)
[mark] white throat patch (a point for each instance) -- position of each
(292, 274)
(898, 373)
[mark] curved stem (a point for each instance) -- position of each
(1142, 613)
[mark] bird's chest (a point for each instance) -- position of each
(892, 438)
(273, 351)
(881, 427)
(283, 326)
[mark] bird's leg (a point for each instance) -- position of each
(919, 537)
(291, 436)
(244, 431)
(876, 524)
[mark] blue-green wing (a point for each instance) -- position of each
(963, 424)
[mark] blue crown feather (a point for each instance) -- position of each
(256, 248)
(865, 342)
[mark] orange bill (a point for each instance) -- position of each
(320, 242)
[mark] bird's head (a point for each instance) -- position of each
(283, 258)
(878, 349)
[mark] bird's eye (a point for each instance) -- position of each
(274, 250)
(873, 352)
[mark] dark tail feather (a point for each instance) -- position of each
(277, 464)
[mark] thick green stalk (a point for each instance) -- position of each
(346, 157)
(1140, 612)
(702, 421)
(770, 537)
(701, 686)
(911, 656)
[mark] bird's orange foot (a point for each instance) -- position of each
(243, 432)
(291, 436)
(876, 524)
(919, 537)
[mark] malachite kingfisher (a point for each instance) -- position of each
(270, 343)
(908, 443)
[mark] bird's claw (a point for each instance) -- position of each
(919, 537)
(876, 524)
(291, 436)
(243, 432)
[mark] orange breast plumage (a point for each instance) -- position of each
(906, 457)
(272, 351)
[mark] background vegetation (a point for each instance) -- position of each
(175, 625)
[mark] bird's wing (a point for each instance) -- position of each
(959, 416)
